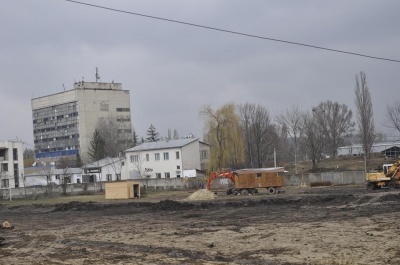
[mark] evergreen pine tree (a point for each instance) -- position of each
(152, 134)
(78, 162)
(135, 139)
(96, 148)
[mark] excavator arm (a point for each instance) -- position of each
(214, 175)
(393, 170)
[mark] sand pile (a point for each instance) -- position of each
(202, 194)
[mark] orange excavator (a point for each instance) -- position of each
(227, 174)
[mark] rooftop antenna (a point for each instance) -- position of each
(97, 74)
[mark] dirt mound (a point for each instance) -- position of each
(202, 194)
(76, 206)
(171, 205)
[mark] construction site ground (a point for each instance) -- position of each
(324, 225)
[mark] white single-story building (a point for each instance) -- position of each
(357, 149)
(106, 169)
(55, 176)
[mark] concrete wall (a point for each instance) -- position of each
(33, 192)
(336, 178)
(191, 156)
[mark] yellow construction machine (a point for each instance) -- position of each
(390, 177)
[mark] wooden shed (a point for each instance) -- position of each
(122, 190)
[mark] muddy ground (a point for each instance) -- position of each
(336, 225)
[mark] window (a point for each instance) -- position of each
(109, 177)
(147, 157)
(204, 154)
(157, 156)
(118, 176)
(166, 174)
(5, 183)
(166, 156)
(134, 158)
(122, 109)
(158, 175)
(177, 154)
(15, 154)
(57, 176)
(178, 176)
(178, 167)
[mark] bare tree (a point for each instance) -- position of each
(116, 135)
(312, 140)
(291, 120)
(260, 135)
(246, 113)
(365, 117)
(46, 174)
(65, 163)
(29, 157)
(137, 160)
(116, 164)
(336, 122)
(393, 115)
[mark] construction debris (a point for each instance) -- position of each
(7, 225)
(202, 194)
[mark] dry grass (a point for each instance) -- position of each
(343, 163)
(55, 200)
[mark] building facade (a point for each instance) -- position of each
(54, 176)
(357, 149)
(167, 159)
(11, 164)
(106, 169)
(63, 123)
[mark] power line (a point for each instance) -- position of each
(237, 33)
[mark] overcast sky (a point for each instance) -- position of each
(173, 70)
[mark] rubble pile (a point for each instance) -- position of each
(202, 194)
(6, 225)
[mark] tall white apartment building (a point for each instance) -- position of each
(63, 123)
(11, 164)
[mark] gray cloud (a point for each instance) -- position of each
(172, 70)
